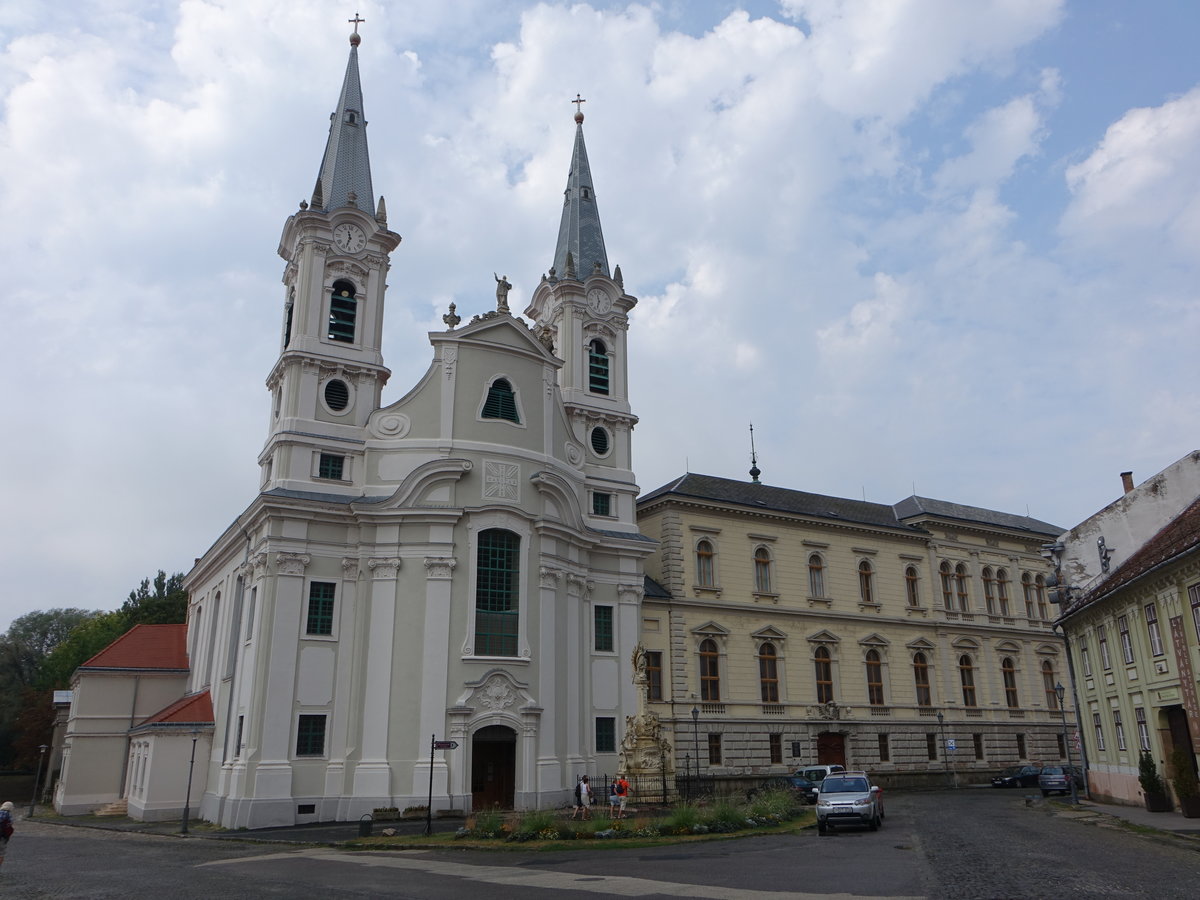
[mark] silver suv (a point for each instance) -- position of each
(848, 798)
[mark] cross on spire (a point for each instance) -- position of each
(356, 21)
(578, 112)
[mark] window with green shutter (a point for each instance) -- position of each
(601, 504)
(497, 587)
(310, 736)
(343, 312)
(604, 628)
(597, 368)
(320, 607)
(331, 466)
(501, 402)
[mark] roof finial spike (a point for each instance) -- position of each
(754, 469)
(355, 40)
(578, 112)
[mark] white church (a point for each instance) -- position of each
(463, 565)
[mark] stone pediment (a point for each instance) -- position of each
(1008, 647)
(874, 640)
(824, 637)
(769, 633)
(1047, 650)
(711, 629)
(497, 691)
(921, 644)
(965, 643)
(492, 329)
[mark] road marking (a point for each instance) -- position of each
(612, 885)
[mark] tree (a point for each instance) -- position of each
(83, 643)
(167, 605)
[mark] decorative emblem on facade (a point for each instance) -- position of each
(439, 567)
(292, 563)
(449, 358)
(574, 454)
(831, 711)
(384, 568)
(496, 693)
(392, 425)
(501, 481)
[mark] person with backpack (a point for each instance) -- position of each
(621, 788)
(6, 827)
(583, 799)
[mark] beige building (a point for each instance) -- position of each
(801, 628)
(1132, 572)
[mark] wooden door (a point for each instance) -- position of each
(831, 749)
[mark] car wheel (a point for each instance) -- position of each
(874, 825)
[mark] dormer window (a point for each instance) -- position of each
(351, 117)
(501, 403)
(343, 312)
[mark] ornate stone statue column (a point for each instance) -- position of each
(644, 750)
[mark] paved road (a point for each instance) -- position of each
(969, 844)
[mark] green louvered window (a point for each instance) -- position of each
(497, 592)
(601, 504)
(597, 368)
(599, 441)
(331, 466)
(501, 402)
(320, 607)
(343, 312)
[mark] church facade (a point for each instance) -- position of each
(461, 566)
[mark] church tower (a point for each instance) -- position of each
(330, 372)
(584, 310)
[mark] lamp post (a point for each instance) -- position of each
(37, 778)
(187, 797)
(1061, 692)
(942, 728)
(696, 738)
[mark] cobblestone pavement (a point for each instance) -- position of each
(967, 844)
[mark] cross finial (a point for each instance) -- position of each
(578, 112)
(356, 21)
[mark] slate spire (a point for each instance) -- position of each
(579, 233)
(346, 166)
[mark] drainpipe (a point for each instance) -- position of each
(1083, 758)
(128, 739)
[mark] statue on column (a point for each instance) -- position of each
(644, 750)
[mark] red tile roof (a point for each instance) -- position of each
(144, 647)
(1179, 536)
(192, 710)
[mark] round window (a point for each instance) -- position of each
(599, 441)
(337, 395)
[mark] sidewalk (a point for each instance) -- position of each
(1169, 822)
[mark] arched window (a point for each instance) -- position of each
(343, 312)
(1002, 592)
(921, 678)
(1027, 589)
(497, 592)
(816, 575)
(1048, 683)
(289, 309)
(864, 582)
(597, 367)
(768, 673)
(704, 563)
(762, 570)
(912, 586)
(989, 590)
(1009, 672)
(501, 402)
(947, 585)
(710, 674)
(960, 583)
(966, 674)
(874, 678)
(824, 670)
(1039, 590)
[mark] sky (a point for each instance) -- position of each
(923, 245)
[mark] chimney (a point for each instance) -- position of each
(1127, 481)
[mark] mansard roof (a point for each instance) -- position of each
(914, 507)
(162, 647)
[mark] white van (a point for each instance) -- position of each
(816, 774)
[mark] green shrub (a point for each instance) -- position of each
(1148, 776)
(682, 819)
(535, 822)
(780, 804)
(725, 815)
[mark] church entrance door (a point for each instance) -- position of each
(831, 749)
(493, 767)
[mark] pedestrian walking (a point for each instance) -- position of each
(583, 799)
(6, 827)
(612, 799)
(622, 791)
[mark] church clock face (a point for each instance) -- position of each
(598, 301)
(349, 237)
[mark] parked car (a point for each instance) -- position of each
(802, 787)
(1058, 778)
(817, 774)
(848, 798)
(1018, 776)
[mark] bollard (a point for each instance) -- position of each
(364, 825)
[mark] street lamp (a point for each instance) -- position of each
(187, 797)
(1061, 693)
(942, 728)
(696, 737)
(37, 778)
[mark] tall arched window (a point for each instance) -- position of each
(874, 678)
(1039, 590)
(597, 367)
(1009, 672)
(1027, 590)
(343, 312)
(762, 570)
(912, 586)
(947, 585)
(1002, 592)
(989, 590)
(960, 584)
(966, 674)
(768, 673)
(921, 678)
(823, 666)
(816, 575)
(497, 592)
(704, 563)
(1048, 684)
(710, 673)
(865, 586)
(501, 402)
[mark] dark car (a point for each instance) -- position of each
(1059, 778)
(802, 787)
(1018, 776)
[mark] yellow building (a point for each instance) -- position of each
(785, 628)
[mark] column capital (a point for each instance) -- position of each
(384, 568)
(292, 563)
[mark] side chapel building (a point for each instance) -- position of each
(463, 564)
